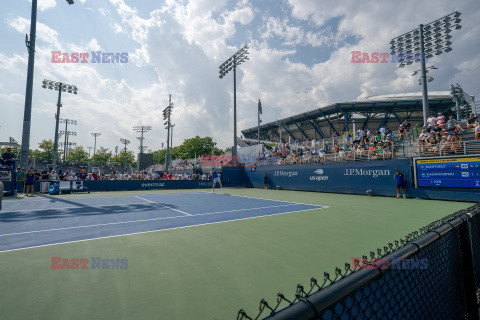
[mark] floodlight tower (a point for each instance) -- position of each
(27, 114)
(125, 142)
(231, 64)
(419, 44)
(142, 130)
(259, 112)
(457, 93)
(95, 135)
(59, 86)
(67, 134)
(167, 112)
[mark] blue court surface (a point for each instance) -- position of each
(45, 221)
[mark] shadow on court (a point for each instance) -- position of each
(80, 209)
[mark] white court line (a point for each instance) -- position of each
(162, 205)
(276, 200)
(143, 232)
(142, 220)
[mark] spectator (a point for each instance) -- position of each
(431, 121)
(453, 126)
(45, 175)
(471, 122)
(53, 176)
(401, 131)
(406, 125)
(440, 120)
(477, 132)
(20, 174)
(8, 158)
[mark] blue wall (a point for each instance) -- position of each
(351, 177)
(113, 185)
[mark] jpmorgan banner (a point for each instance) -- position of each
(355, 177)
(342, 177)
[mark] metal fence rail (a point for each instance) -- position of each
(433, 273)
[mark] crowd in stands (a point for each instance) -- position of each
(437, 137)
(188, 165)
(82, 175)
(444, 137)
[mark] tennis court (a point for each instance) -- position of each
(191, 255)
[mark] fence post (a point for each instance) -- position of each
(468, 268)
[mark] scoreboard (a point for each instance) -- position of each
(448, 172)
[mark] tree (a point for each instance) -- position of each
(77, 154)
(159, 156)
(119, 159)
(45, 151)
(197, 146)
(102, 155)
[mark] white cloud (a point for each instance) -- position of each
(43, 5)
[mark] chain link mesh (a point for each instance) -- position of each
(435, 291)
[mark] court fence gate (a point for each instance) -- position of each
(433, 273)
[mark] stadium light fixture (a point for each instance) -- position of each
(125, 142)
(59, 86)
(95, 135)
(27, 114)
(259, 112)
(167, 112)
(457, 96)
(142, 130)
(231, 64)
(432, 38)
(67, 134)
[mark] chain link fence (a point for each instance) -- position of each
(429, 274)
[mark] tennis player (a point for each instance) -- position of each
(216, 178)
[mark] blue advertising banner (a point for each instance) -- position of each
(352, 177)
(343, 177)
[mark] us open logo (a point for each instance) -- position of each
(319, 176)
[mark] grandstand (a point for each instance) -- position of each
(336, 119)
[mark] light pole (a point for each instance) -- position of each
(142, 130)
(59, 86)
(458, 97)
(259, 112)
(167, 112)
(67, 134)
(125, 142)
(27, 115)
(95, 135)
(232, 63)
(89, 151)
(419, 44)
(171, 137)
(67, 144)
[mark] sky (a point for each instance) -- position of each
(299, 59)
